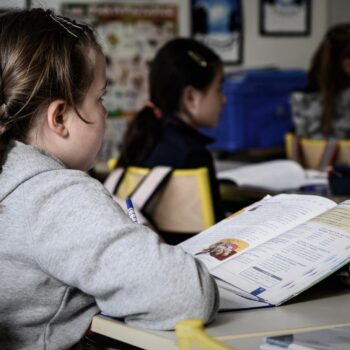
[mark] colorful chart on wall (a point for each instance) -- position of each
(129, 34)
(218, 24)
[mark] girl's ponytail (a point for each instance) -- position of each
(141, 137)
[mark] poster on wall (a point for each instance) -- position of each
(218, 24)
(129, 34)
(285, 17)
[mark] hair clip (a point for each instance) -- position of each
(197, 58)
(71, 23)
(58, 20)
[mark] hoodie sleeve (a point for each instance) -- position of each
(95, 247)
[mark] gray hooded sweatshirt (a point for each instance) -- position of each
(68, 251)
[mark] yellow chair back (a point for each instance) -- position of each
(316, 153)
(183, 205)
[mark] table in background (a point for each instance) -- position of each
(235, 198)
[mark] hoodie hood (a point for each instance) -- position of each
(22, 162)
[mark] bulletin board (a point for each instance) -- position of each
(130, 34)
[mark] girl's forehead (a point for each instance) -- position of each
(96, 58)
(92, 54)
(98, 66)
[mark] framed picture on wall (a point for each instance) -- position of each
(218, 24)
(285, 17)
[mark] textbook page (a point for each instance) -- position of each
(291, 262)
(275, 175)
(253, 226)
(235, 300)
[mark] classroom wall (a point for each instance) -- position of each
(183, 5)
(260, 51)
(284, 52)
(339, 11)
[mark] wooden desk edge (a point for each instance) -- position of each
(145, 339)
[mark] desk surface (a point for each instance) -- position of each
(324, 306)
(231, 192)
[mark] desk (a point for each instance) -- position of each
(323, 306)
(236, 198)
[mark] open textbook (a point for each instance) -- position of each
(274, 175)
(274, 249)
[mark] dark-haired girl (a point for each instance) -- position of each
(185, 94)
(323, 109)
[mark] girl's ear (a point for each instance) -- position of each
(191, 100)
(57, 117)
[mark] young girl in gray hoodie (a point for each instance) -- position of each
(67, 250)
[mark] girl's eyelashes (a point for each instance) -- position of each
(102, 96)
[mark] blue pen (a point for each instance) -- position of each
(131, 211)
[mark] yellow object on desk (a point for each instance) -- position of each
(190, 332)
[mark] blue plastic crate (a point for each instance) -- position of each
(257, 112)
